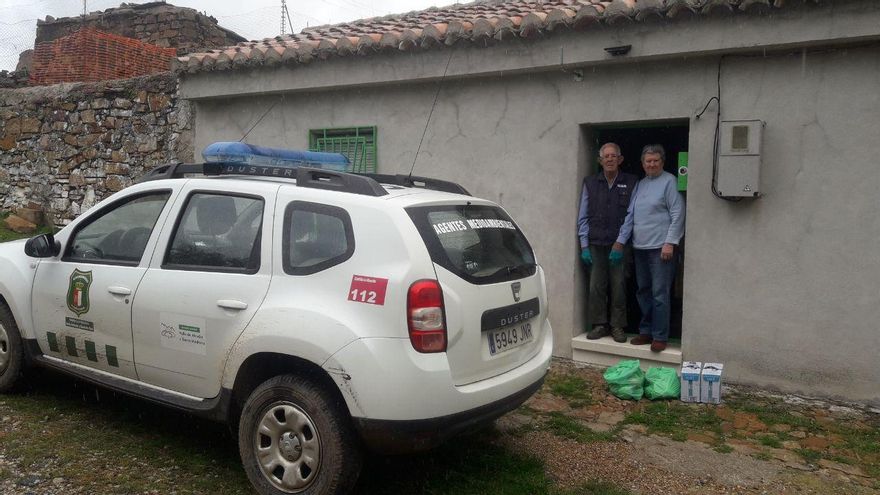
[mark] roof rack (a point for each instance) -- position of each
(172, 171)
(366, 184)
(419, 182)
(305, 177)
(338, 181)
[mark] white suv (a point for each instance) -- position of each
(317, 312)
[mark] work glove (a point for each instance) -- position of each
(585, 256)
(615, 257)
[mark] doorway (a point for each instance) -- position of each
(631, 137)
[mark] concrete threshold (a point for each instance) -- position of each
(607, 352)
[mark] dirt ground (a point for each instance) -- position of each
(62, 438)
(753, 443)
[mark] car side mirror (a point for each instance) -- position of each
(42, 246)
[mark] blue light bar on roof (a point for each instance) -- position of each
(248, 154)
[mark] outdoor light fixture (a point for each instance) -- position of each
(616, 51)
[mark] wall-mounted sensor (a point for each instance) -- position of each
(616, 51)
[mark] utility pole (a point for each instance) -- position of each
(85, 8)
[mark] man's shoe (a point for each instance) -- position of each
(597, 332)
(641, 340)
(658, 346)
(618, 334)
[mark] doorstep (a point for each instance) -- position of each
(607, 352)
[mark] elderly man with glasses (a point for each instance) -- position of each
(605, 198)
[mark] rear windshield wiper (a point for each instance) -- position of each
(514, 269)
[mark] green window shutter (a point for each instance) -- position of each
(356, 143)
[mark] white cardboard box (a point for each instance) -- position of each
(710, 383)
(690, 381)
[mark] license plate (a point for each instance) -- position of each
(507, 338)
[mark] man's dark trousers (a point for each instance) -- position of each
(600, 273)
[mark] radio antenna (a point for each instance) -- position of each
(428, 121)
(285, 18)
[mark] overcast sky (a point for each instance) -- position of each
(253, 19)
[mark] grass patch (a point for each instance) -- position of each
(859, 445)
(674, 419)
(839, 458)
(106, 443)
(563, 426)
(773, 413)
(471, 465)
(723, 449)
(9, 235)
(770, 441)
(575, 390)
(809, 455)
(865, 442)
(763, 456)
(102, 442)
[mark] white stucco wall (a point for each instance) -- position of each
(783, 289)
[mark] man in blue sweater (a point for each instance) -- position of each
(655, 220)
(605, 198)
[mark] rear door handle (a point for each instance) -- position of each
(119, 291)
(232, 304)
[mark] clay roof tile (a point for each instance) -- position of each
(481, 21)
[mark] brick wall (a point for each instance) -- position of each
(92, 55)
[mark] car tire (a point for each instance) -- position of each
(11, 351)
(295, 437)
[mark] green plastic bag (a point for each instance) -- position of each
(625, 379)
(662, 383)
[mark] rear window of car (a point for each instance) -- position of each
(479, 243)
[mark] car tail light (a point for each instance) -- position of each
(425, 316)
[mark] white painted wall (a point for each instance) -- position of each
(783, 290)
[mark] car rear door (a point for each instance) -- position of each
(492, 288)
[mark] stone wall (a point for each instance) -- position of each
(66, 147)
(156, 23)
(14, 79)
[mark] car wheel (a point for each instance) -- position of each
(295, 437)
(11, 351)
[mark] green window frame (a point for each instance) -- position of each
(356, 143)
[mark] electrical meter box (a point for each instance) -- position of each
(739, 158)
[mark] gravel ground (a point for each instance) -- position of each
(33, 481)
(650, 464)
(653, 465)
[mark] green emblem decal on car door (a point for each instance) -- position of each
(78, 292)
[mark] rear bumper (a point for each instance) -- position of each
(407, 436)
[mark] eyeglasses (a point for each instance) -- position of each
(610, 156)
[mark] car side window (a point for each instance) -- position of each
(315, 237)
(217, 232)
(120, 234)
